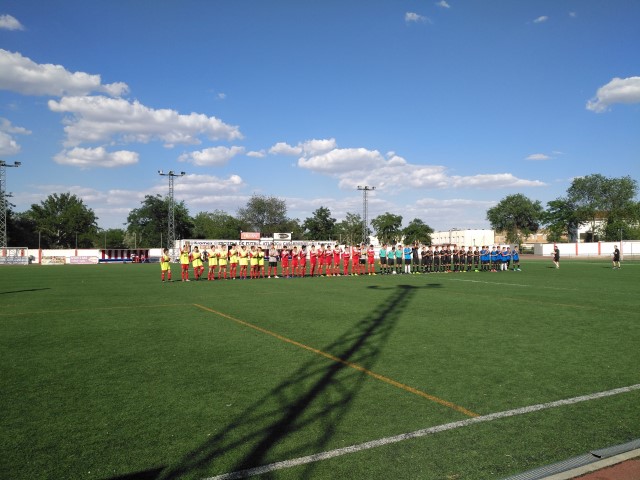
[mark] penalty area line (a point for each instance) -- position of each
(316, 457)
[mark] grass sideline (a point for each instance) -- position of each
(110, 374)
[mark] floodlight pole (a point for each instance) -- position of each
(3, 201)
(171, 237)
(365, 212)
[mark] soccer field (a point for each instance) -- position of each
(109, 373)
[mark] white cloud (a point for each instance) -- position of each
(443, 4)
(22, 75)
(100, 119)
(618, 90)
(8, 144)
(412, 17)
(308, 147)
(257, 154)
(211, 157)
(573, 14)
(359, 166)
(8, 22)
(541, 19)
(283, 148)
(96, 157)
(538, 156)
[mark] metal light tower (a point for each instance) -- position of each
(3, 201)
(365, 212)
(171, 237)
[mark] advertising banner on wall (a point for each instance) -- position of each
(249, 235)
(282, 236)
(53, 260)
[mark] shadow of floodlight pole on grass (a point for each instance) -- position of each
(316, 396)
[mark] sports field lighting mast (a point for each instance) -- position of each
(365, 212)
(171, 237)
(3, 201)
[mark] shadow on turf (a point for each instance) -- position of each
(25, 290)
(316, 396)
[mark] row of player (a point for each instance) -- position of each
(256, 262)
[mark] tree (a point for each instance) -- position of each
(517, 216)
(350, 229)
(263, 214)
(217, 224)
(601, 201)
(64, 221)
(110, 238)
(417, 232)
(320, 226)
(562, 220)
(387, 227)
(21, 230)
(149, 224)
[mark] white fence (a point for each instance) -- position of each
(596, 249)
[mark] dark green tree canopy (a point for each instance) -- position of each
(266, 215)
(517, 216)
(150, 222)
(388, 227)
(320, 225)
(349, 230)
(63, 221)
(217, 224)
(417, 232)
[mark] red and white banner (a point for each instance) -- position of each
(249, 235)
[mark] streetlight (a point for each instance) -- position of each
(171, 237)
(365, 212)
(3, 201)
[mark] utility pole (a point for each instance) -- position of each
(171, 237)
(365, 212)
(3, 201)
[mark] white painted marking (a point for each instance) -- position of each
(316, 457)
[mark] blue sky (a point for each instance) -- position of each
(446, 107)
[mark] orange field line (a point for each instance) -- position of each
(93, 309)
(355, 366)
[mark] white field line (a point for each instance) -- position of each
(316, 457)
(511, 284)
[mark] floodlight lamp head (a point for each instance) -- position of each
(17, 164)
(160, 172)
(182, 174)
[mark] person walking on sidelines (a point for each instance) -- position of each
(165, 265)
(616, 258)
(556, 256)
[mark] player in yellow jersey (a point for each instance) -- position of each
(233, 260)
(243, 255)
(221, 253)
(253, 261)
(165, 265)
(196, 261)
(261, 261)
(184, 263)
(213, 263)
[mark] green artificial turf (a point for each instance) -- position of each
(109, 373)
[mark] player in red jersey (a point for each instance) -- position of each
(336, 260)
(355, 260)
(371, 258)
(302, 262)
(284, 261)
(346, 255)
(295, 258)
(313, 258)
(328, 258)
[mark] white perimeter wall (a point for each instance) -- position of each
(627, 247)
